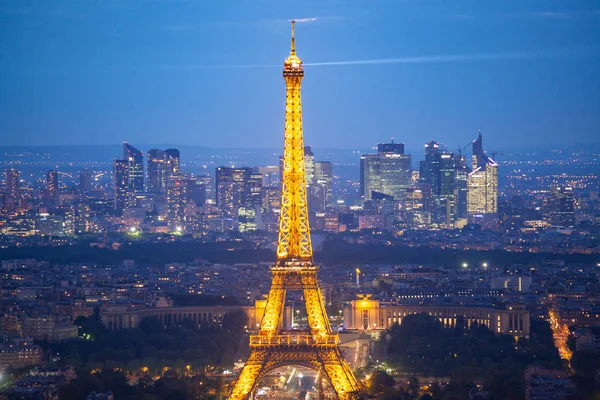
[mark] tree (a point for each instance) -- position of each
(413, 384)
(235, 321)
(380, 380)
(436, 391)
(188, 323)
(389, 393)
(151, 325)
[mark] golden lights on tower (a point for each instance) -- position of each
(273, 346)
(294, 231)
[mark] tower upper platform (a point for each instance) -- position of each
(292, 66)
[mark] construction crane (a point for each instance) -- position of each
(494, 153)
(460, 149)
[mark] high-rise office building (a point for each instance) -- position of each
(270, 174)
(438, 170)
(12, 184)
(177, 193)
(82, 218)
(159, 169)
(561, 210)
(250, 211)
(386, 172)
(161, 165)
(416, 207)
(175, 160)
(135, 170)
(461, 191)
(51, 187)
(12, 192)
(309, 165)
(230, 183)
(196, 191)
(209, 187)
(239, 196)
(85, 181)
(429, 167)
(124, 196)
(320, 194)
(482, 182)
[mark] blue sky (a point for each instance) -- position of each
(208, 72)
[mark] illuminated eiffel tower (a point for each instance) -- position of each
(273, 347)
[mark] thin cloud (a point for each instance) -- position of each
(517, 55)
(309, 19)
(449, 58)
(547, 14)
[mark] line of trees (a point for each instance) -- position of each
(182, 356)
(468, 357)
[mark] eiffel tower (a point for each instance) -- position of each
(273, 347)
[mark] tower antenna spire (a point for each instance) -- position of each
(293, 51)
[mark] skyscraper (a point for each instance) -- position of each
(209, 187)
(230, 183)
(196, 191)
(561, 210)
(135, 170)
(482, 182)
(438, 170)
(386, 172)
(461, 191)
(12, 184)
(177, 192)
(321, 190)
(124, 196)
(174, 154)
(85, 181)
(309, 165)
(12, 193)
(250, 211)
(51, 187)
(159, 170)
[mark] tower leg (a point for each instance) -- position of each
(320, 383)
(249, 376)
(272, 318)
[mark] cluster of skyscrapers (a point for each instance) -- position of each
(443, 193)
(239, 198)
(151, 193)
(160, 195)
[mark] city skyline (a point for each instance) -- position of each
(526, 76)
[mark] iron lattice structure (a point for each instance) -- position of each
(316, 348)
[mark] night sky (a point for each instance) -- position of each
(208, 72)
